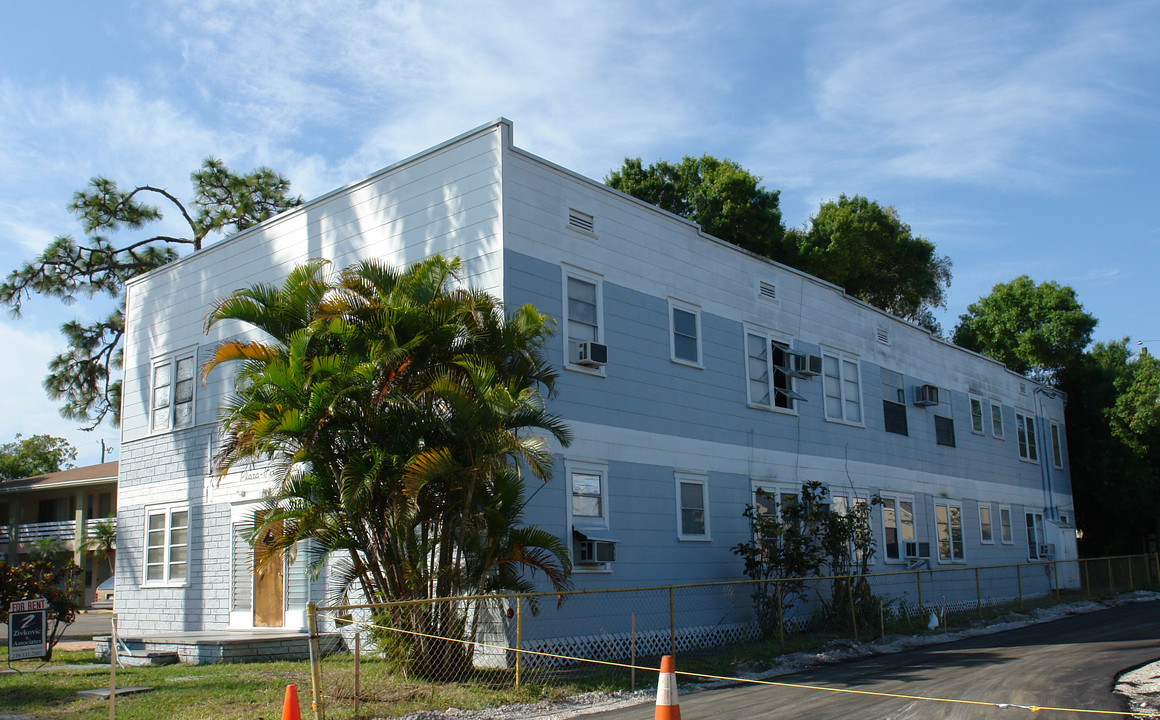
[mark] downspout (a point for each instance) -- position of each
(1044, 440)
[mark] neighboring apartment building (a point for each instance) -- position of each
(692, 373)
(62, 507)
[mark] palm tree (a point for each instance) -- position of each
(103, 540)
(399, 411)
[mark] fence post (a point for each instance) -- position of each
(1019, 581)
(978, 594)
(113, 670)
(357, 664)
(1131, 580)
(1055, 578)
(780, 617)
(853, 614)
(672, 623)
(1111, 582)
(1087, 579)
(315, 668)
(1157, 556)
(918, 580)
(519, 638)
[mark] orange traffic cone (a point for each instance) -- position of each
(290, 704)
(667, 706)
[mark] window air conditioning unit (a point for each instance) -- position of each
(591, 354)
(593, 552)
(807, 365)
(1047, 551)
(925, 395)
(912, 549)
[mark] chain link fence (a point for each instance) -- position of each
(481, 651)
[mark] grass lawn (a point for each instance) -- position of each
(247, 690)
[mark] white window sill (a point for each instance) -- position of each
(604, 569)
(688, 363)
(840, 421)
(694, 538)
(774, 409)
(586, 370)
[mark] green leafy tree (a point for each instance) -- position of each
(59, 583)
(853, 242)
(83, 376)
(866, 249)
(725, 199)
(1135, 421)
(1033, 329)
(1112, 448)
(36, 455)
(402, 413)
(796, 537)
(1136, 415)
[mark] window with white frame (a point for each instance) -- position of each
(948, 521)
(1056, 446)
(1036, 537)
(167, 545)
(842, 388)
(1006, 534)
(588, 497)
(769, 500)
(685, 340)
(986, 528)
(977, 415)
(173, 387)
(893, 402)
(692, 506)
(593, 545)
(1025, 431)
(771, 383)
(996, 420)
(897, 526)
(841, 505)
(583, 310)
(944, 423)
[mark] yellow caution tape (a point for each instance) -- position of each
(870, 693)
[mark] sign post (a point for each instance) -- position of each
(27, 625)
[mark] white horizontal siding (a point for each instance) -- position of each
(445, 202)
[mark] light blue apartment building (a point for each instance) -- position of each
(691, 373)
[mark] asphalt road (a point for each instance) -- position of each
(1067, 663)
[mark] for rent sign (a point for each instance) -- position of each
(27, 621)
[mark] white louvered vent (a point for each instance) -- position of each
(580, 220)
(1022, 388)
(883, 335)
(767, 290)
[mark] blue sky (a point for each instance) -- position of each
(1022, 138)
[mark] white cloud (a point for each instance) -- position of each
(994, 95)
(582, 81)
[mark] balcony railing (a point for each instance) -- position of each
(64, 530)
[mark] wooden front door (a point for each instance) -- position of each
(268, 588)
